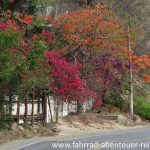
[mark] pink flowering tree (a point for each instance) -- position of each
(66, 83)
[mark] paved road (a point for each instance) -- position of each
(138, 139)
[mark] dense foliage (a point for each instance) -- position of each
(84, 54)
(98, 40)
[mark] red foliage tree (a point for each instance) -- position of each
(66, 82)
(96, 38)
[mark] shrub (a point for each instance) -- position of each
(142, 108)
(3, 123)
(118, 100)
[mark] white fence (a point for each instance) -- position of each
(64, 108)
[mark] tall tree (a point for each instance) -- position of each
(134, 13)
(94, 37)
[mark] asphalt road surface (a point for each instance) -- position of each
(137, 138)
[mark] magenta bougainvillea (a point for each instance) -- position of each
(66, 81)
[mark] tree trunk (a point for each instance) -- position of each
(79, 107)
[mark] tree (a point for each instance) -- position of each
(92, 32)
(65, 81)
(134, 13)
(22, 52)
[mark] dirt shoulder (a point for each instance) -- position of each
(19, 132)
(71, 125)
(95, 123)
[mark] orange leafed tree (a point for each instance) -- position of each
(99, 31)
(142, 66)
(85, 33)
(91, 30)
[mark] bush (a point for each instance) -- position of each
(142, 108)
(3, 123)
(117, 100)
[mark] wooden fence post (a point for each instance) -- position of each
(32, 113)
(38, 110)
(26, 111)
(18, 110)
(10, 111)
(49, 103)
(44, 107)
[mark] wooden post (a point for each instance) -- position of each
(49, 103)
(26, 111)
(32, 114)
(44, 107)
(18, 110)
(45, 103)
(1, 106)
(62, 108)
(10, 111)
(57, 110)
(38, 110)
(68, 108)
